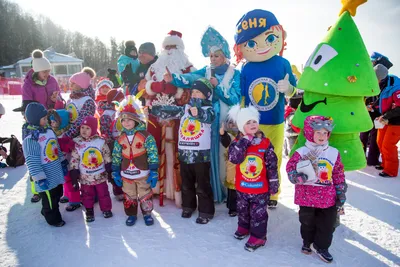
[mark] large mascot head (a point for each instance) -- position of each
(258, 36)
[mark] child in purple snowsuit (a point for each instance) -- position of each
(321, 192)
(256, 176)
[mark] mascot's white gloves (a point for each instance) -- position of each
(285, 87)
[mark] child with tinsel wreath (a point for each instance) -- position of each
(256, 176)
(317, 171)
(91, 165)
(109, 131)
(227, 132)
(194, 149)
(45, 162)
(135, 161)
(59, 122)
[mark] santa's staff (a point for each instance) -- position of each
(162, 166)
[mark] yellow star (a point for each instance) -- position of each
(351, 6)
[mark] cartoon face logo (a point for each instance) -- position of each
(324, 172)
(264, 94)
(251, 167)
(73, 110)
(92, 158)
(263, 46)
(51, 150)
(190, 127)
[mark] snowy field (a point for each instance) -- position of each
(369, 234)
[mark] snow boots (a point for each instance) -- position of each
(323, 254)
(89, 215)
(131, 220)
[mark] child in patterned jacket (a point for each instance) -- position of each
(135, 161)
(317, 171)
(91, 165)
(194, 149)
(256, 176)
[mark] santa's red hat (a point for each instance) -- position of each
(173, 38)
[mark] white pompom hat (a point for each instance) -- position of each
(242, 115)
(39, 62)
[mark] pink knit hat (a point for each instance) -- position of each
(92, 123)
(83, 78)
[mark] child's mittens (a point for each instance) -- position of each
(64, 165)
(117, 178)
(341, 190)
(273, 187)
(340, 210)
(74, 174)
(43, 184)
(152, 178)
(66, 144)
(301, 178)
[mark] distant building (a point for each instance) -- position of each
(62, 65)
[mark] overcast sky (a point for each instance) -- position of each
(306, 21)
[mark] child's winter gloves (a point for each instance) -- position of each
(43, 184)
(152, 179)
(64, 165)
(297, 178)
(74, 175)
(117, 178)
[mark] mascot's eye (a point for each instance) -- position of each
(323, 55)
(251, 44)
(271, 38)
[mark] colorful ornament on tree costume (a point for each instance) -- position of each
(266, 77)
(225, 94)
(336, 78)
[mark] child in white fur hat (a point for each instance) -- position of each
(256, 176)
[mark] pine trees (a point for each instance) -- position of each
(21, 33)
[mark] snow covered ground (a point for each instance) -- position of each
(369, 234)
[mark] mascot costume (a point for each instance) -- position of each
(266, 77)
(226, 93)
(336, 78)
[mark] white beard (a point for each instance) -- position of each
(175, 59)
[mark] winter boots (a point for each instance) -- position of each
(254, 243)
(131, 220)
(148, 220)
(323, 254)
(89, 215)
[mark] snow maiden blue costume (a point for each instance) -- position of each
(225, 94)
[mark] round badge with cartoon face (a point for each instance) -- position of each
(191, 128)
(92, 158)
(251, 167)
(51, 150)
(324, 172)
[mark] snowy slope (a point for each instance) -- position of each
(369, 234)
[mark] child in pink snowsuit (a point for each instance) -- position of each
(317, 171)
(91, 164)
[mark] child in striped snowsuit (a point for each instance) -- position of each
(45, 162)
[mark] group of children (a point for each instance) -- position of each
(73, 152)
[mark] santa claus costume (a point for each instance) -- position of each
(158, 92)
